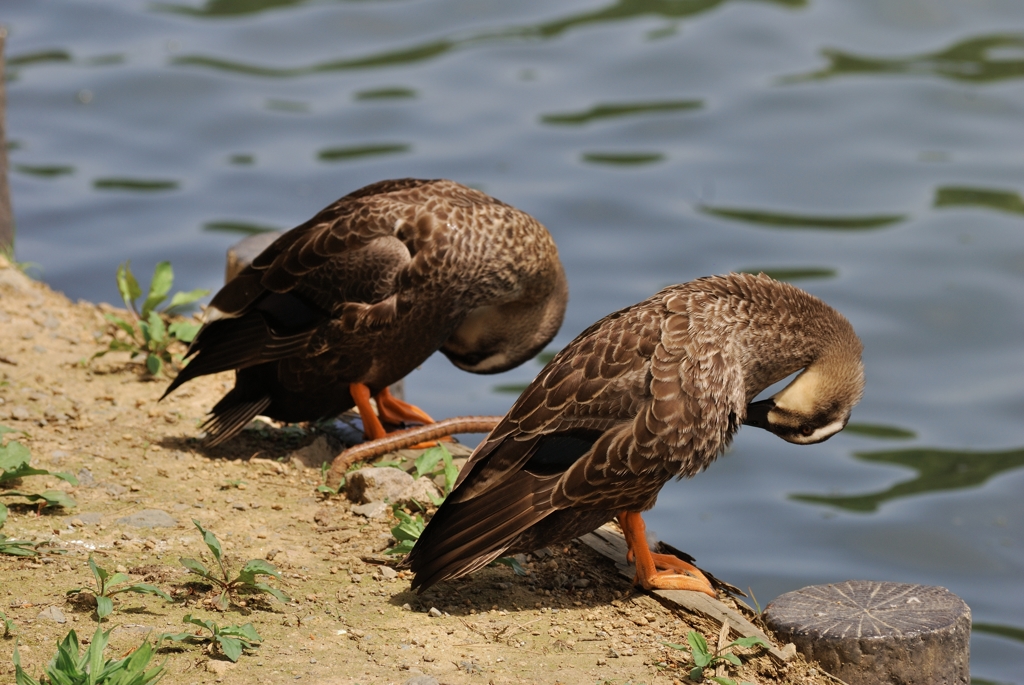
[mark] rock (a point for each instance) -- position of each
(314, 454)
(422, 490)
(85, 518)
(370, 510)
(434, 612)
(52, 614)
(422, 680)
(378, 485)
(878, 632)
(149, 518)
(85, 478)
(388, 573)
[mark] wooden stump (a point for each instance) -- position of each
(877, 632)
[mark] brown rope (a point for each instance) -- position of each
(407, 438)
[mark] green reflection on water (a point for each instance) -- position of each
(797, 274)
(386, 94)
(874, 430)
(598, 112)
(416, 53)
(39, 57)
(780, 220)
(1001, 200)
(937, 470)
(237, 227)
(133, 184)
(226, 8)
(44, 171)
(622, 158)
(341, 154)
(1009, 632)
(287, 106)
(619, 11)
(985, 58)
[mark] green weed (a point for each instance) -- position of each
(151, 332)
(244, 582)
(8, 625)
(17, 548)
(69, 667)
(231, 640)
(106, 588)
(14, 465)
(704, 658)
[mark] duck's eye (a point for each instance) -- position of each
(806, 431)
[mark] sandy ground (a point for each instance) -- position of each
(572, 619)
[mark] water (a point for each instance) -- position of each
(870, 150)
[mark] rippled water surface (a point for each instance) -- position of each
(868, 150)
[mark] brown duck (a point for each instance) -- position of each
(341, 307)
(650, 393)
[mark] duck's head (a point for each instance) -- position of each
(497, 337)
(815, 406)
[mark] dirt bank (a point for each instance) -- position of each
(571, 620)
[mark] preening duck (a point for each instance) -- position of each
(341, 307)
(650, 393)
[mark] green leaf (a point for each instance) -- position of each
(749, 642)
(426, 462)
(673, 645)
(53, 498)
(146, 589)
(451, 472)
(214, 544)
(117, 579)
(231, 647)
(20, 677)
(4, 430)
(157, 332)
(209, 625)
(3, 520)
(512, 564)
(14, 456)
(699, 648)
(223, 602)
(163, 278)
(181, 299)
(196, 567)
(723, 681)
(65, 476)
(104, 606)
(247, 632)
(403, 547)
(100, 574)
(185, 331)
(277, 594)
(16, 548)
(154, 364)
(128, 286)
(9, 627)
(731, 658)
(697, 674)
(259, 567)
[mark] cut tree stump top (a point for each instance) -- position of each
(878, 632)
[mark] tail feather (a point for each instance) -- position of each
(228, 420)
(464, 536)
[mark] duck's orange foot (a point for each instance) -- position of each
(659, 571)
(391, 409)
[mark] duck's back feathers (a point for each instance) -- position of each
(371, 286)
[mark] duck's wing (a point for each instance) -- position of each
(344, 264)
(625, 407)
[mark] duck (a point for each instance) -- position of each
(341, 307)
(649, 393)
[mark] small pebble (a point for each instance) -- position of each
(434, 612)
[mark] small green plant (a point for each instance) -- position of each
(244, 582)
(407, 532)
(17, 548)
(69, 667)
(14, 464)
(704, 658)
(230, 639)
(324, 488)
(106, 588)
(8, 625)
(151, 332)
(436, 461)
